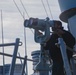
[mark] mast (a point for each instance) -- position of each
(2, 42)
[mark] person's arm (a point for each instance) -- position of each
(68, 39)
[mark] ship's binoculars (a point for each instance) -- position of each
(39, 24)
(42, 25)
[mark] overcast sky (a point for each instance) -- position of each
(13, 22)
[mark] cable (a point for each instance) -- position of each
(25, 11)
(49, 9)
(24, 7)
(18, 9)
(44, 8)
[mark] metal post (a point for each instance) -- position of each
(12, 67)
(2, 42)
(64, 56)
(42, 66)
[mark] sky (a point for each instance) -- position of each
(13, 24)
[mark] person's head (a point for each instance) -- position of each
(57, 25)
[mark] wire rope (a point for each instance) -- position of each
(18, 9)
(49, 9)
(44, 8)
(24, 8)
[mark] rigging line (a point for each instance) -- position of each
(24, 7)
(49, 9)
(24, 19)
(2, 42)
(18, 9)
(26, 12)
(20, 12)
(44, 7)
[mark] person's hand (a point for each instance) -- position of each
(59, 32)
(39, 33)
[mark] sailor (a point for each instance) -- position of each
(54, 50)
